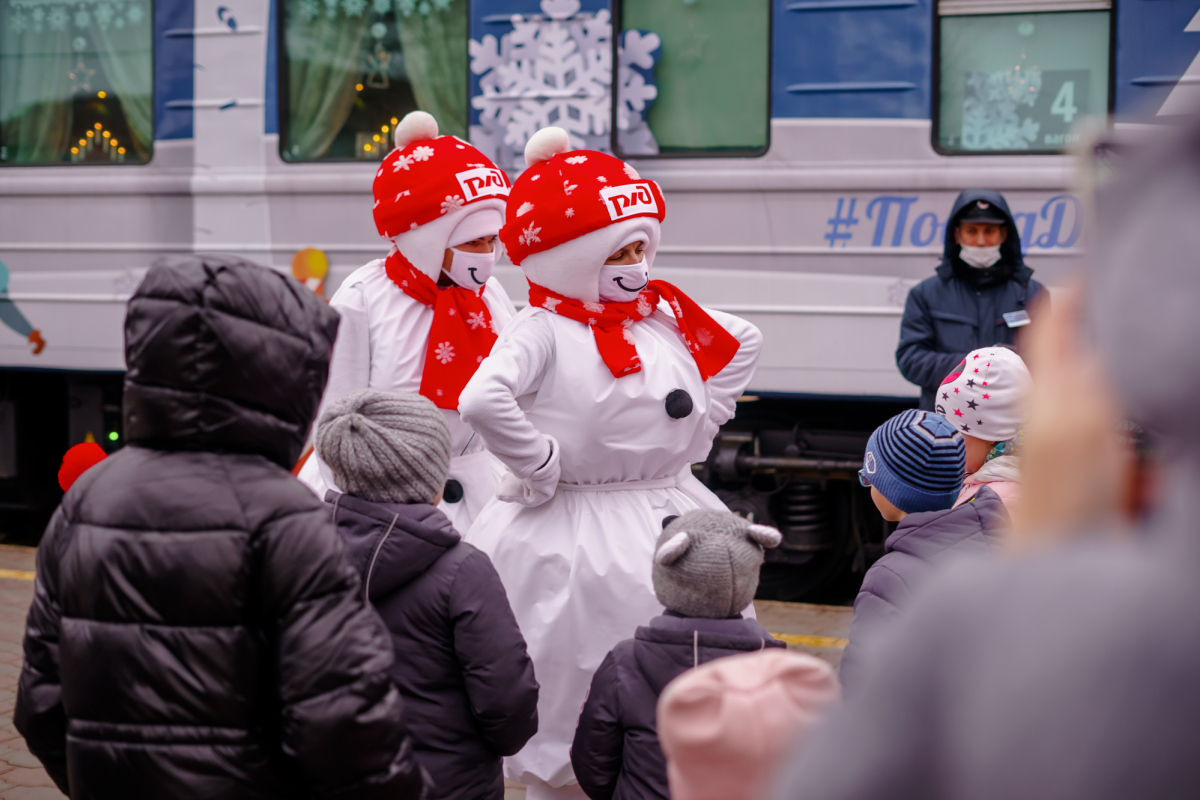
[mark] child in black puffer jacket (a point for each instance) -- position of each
(705, 572)
(461, 663)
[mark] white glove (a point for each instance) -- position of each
(538, 487)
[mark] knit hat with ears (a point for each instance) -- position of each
(570, 210)
(985, 395)
(706, 563)
(428, 186)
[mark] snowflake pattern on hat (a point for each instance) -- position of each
(425, 180)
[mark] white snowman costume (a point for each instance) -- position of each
(596, 463)
(384, 333)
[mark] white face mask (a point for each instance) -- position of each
(621, 283)
(980, 257)
(472, 270)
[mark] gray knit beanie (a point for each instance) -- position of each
(706, 563)
(385, 447)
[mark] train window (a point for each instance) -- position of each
(76, 82)
(349, 70)
(1018, 82)
(692, 77)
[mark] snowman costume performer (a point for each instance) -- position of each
(406, 325)
(598, 397)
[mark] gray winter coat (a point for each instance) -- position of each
(961, 308)
(921, 546)
(1070, 674)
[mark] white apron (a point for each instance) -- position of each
(577, 568)
(381, 345)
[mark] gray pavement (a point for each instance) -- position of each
(820, 630)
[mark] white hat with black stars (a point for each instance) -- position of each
(984, 396)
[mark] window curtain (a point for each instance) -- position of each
(434, 38)
(125, 58)
(35, 123)
(324, 62)
(41, 42)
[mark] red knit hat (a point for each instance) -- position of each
(78, 460)
(568, 193)
(428, 176)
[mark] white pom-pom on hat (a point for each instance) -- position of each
(417, 126)
(546, 144)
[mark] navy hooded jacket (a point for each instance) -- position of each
(616, 754)
(921, 546)
(470, 696)
(962, 308)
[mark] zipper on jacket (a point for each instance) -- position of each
(374, 556)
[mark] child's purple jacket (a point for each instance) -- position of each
(461, 665)
(615, 754)
(922, 545)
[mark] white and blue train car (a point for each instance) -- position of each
(809, 151)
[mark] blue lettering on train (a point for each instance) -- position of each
(1043, 229)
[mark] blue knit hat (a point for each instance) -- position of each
(916, 460)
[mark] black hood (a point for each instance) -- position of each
(224, 355)
(1011, 263)
(670, 644)
(391, 543)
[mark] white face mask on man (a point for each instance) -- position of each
(979, 257)
(621, 283)
(472, 270)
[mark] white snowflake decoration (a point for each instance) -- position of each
(477, 319)
(444, 352)
(569, 187)
(554, 69)
(524, 209)
(452, 203)
(570, 212)
(576, 159)
(704, 336)
(632, 173)
(595, 308)
(530, 235)
(550, 303)
(628, 335)
(402, 162)
(643, 306)
(422, 153)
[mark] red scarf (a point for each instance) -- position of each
(711, 345)
(461, 335)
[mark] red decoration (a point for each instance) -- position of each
(571, 194)
(957, 413)
(78, 460)
(426, 179)
(459, 339)
(711, 346)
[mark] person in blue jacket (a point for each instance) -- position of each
(979, 297)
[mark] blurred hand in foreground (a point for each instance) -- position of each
(1073, 463)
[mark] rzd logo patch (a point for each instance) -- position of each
(482, 182)
(628, 200)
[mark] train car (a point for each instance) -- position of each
(809, 151)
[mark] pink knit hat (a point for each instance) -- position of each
(725, 725)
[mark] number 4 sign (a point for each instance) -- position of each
(1062, 101)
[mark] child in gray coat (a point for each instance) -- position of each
(914, 465)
